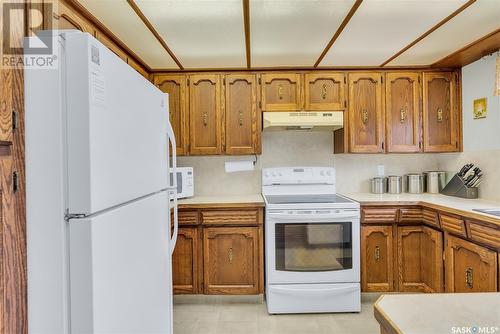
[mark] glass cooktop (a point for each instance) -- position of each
(304, 199)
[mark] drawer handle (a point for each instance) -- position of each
(469, 276)
(204, 116)
(364, 116)
(280, 92)
(377, 253)
(241, 118)
(403, 114)
(230, 255)
(323, 91)
(439, 115)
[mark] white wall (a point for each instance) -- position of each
(478, 81)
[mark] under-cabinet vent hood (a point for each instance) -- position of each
(304, 120)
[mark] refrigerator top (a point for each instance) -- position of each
(117, 145)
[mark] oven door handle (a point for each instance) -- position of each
(315, 291)
(302, 217)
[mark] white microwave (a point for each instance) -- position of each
(185, 181)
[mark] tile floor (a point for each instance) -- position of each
(240, 315)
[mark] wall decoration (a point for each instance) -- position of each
(480, 108)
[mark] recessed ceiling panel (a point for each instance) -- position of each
(478, 20)
(293, 33)
(381, 28)
(120, 18)
(201, 34)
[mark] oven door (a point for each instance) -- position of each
(312, 246)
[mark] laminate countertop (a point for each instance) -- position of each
(222, 201)
(439, 313)
(438, 201)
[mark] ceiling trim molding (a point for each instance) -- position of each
(99, 25)
(337, 33)
(428, 32)
(246, 24)
(481, 47)
(148, 24)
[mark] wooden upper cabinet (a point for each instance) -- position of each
(441, 117)
(175, 86)
(402, 91)
(420, 264)
(185, 264)
(241, 114)
(377, 260)
(281, 92)
(231, 260)
(324, 91)
(136, 66)
(365, 113)
(65, 17)
(111, 45)
(469, 267)
(205, 114)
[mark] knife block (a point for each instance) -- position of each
(456, 187)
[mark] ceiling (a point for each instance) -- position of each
(203, 34)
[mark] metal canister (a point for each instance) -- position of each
(436, 181)
(395, 184)
(415, 183)
(378, 185)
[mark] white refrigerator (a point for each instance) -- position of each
(99, 196)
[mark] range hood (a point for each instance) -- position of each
(303, 120)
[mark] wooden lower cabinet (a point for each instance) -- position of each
(231, 260)
(469, 267)
(185, 261)
(377, 258)
(219, 251)
(419, 259)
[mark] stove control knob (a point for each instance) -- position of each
(322, 173)
(274, 173)
(280, 174)
(329, 173)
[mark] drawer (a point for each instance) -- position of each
(410, 215)
(452, 224)
(231, 217)
(484, 234)
(430, 217)
(378, 215)
(188, 218)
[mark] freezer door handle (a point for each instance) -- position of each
(173, 187)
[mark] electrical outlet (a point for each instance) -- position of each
(380, 170)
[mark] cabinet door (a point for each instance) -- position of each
(366, 126)
(377, 258)
(175, 87)
(205, 114)
(469, 267)
(231, 260)
(281, 92)
(185, 261)
(65, 17)
(241, 114)
(441, 116)
(402, 114)
(324, 91)
(420, 263)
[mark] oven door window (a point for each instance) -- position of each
(313, 246)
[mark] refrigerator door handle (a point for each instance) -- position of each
(173, 187)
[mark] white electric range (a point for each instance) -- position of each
(312, 242)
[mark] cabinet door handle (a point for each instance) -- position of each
(323, 91)
(230, 255)
(439, 114)
(241, 118)
(377, 253)
(403, 113)
(204, 117)
(364, 116)
(469, 276)
(280, 92)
